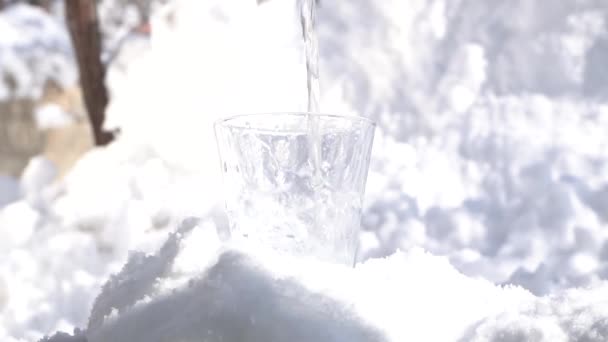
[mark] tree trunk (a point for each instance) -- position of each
(81, 16)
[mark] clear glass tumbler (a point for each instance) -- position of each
(294, 182)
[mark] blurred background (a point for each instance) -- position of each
(43, 111)
(491, 146)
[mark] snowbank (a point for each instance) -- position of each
(62, 240)
(247, 294)
(493, 115)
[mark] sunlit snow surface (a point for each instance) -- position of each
(194, 289)
(490, 151)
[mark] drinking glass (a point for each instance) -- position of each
(294, 182)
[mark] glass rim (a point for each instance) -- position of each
(225, 122)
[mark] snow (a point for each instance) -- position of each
(51, 116)
(9, 190)
(35, 49)
(17, 223)
(36, 180)
(237, 293)
(505, 106)
(486, 203)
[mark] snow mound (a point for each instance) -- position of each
(61, 239)
(194, 287)
(573, 315)
(491, 144)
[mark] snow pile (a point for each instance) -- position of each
(247, 294)
(35, 49)
(60, 243)
(493, 150)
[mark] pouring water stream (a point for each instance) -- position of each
(307, 20)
